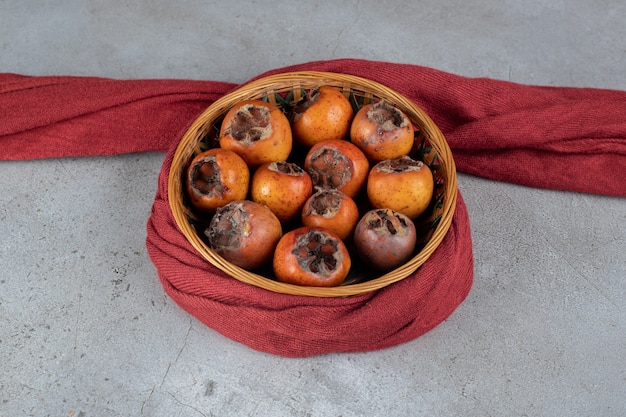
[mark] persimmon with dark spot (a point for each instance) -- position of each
(382, 131)
(337, 164)
(215, 178)
(284, 187)
(258, 131)
(244, 233)
(402, 184)
(311, 256)
(332, 210)
(385, 239)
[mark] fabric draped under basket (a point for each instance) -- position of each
(559, 138)
(297, 326)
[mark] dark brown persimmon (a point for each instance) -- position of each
(325, 113)
(337, 164)
(257, 131)
(385, 239)
(244, 233)
(311, 256)
(215, 178)
(332, 210)
(284, 187)
(382, 131)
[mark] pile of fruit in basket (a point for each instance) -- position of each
(310, 190)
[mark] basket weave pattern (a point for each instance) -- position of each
(284, 90)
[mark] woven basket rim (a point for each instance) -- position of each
(295, 81)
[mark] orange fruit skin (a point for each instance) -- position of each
(342, 222)
(379, 144)
(358, 164)
(283, 193)
(275, 147)
(234, 176)
(407, 192)
(329, 117)
(261, 233)
(287, 268)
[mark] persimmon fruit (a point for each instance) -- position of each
(382, 131)
(311, 256)
(337, 164)
(281, 190)
(244, 233)
(325, 113)
(403, 184)
(215, 178)
(258, 131)
(284, 187)
(385, 239)
(332, 210)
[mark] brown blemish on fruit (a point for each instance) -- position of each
(250, 124)
(205, 178)
(229, 224)
(317, 252)
(288, 168)
(304, 104)
(402, 164)
(330, 168)
(385, 221)
(325, 203)
(386, 117)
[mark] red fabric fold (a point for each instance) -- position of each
(45, 117)
(549, 137)
(560, 138)
(295, 326)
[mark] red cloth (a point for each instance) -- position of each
(550, 137)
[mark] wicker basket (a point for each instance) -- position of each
(285, 90)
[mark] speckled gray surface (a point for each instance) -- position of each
(86, 329)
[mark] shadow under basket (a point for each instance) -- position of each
(284, 90)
